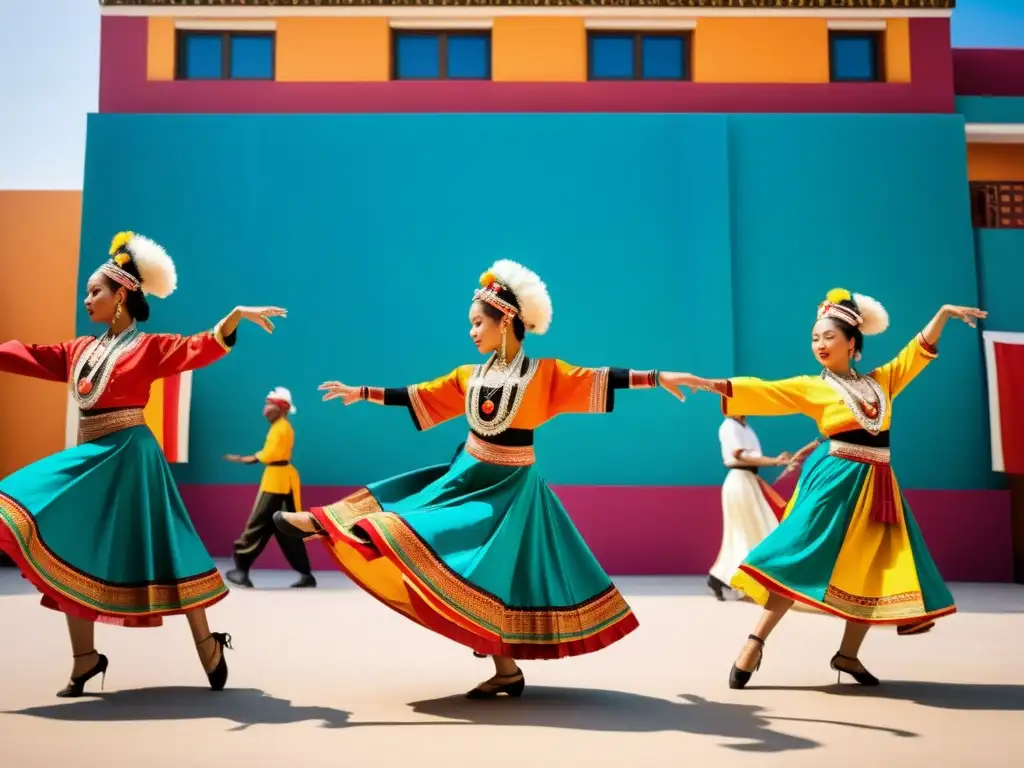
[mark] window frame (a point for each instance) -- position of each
(638, 35)
(181, 58)
(877, 38)
(442, 54)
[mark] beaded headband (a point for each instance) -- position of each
(489, 293)
(120, 276)
(840, 312)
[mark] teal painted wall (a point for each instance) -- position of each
(991, 109)
(1001, 264)
(697, 242)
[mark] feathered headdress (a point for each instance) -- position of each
(862, 312)
(282, 398)
(157, 275)
(530, 292)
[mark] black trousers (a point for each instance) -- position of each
(260, 529)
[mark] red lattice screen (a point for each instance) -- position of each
(997, 204)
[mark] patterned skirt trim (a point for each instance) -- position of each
(68, 590)
(411, 579)
(862, 610)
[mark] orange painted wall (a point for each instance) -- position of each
(760, 50)
(39, 235)
(995, 162)
(333, 50)
(553, 49)
(897, 51)
(538, 50)
(160, 52)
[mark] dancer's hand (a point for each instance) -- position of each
(969, 315)
(674, 382)
(261, 316)
(233, 457)
(783, 458)
(335, 389)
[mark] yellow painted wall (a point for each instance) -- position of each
(760, 50)
(539, 50)
(333, 50)
(553, 49)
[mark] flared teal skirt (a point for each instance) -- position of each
(832, 551)
(482, 553)
(100, 529)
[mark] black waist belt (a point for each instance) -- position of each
(751, 470)
(863, 437)
(278, 463)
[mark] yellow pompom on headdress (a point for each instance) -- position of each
(156, 273)
(532, 301)
(862, 312)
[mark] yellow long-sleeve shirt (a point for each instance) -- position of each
(278, 447)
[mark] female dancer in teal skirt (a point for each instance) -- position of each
(100, 529)
(848, 544)
(481, 551)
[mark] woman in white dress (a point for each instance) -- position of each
(751, 508)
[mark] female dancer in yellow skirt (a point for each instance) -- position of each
(848, 543)
(480, 550)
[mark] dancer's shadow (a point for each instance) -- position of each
(245, 706)
(597, 710)
(962, 696)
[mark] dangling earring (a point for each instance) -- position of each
(117, 312)
(504, 341)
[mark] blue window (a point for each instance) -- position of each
(855, 57)
(225, 55)
(442, 56)
(638, 56)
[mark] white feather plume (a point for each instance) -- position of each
(876, 318)
(159, 277)
(531, 292)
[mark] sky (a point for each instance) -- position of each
(49, 75)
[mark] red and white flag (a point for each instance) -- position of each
(167, 416)
(1004, 361)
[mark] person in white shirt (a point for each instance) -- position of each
(751, 509)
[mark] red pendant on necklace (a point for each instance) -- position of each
(84, 386)
(487, 407)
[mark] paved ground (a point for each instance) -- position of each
(328, 677)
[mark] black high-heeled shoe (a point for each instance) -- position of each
(863, 677)
(738, 678)
(290, 530)
(76, 687)
(514, 687)
(219, 676)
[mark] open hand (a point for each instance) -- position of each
(783, 458)
(335, 389)
(969, 315)
(261, 316)
(674, 383)
(233, 457)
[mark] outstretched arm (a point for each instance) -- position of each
(922, 349)
(429, 403)
(39, 361)
(577, 389)
(177, 354)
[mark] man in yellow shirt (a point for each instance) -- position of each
(279, 489)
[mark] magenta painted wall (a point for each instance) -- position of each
(988, 71)
(636, 530)
(124, 88)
